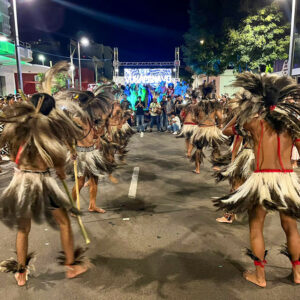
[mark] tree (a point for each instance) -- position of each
(61, 80)
(205, 40)
(260, 40)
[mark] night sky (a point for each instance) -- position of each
(147, 30)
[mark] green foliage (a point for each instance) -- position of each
(61, 80)
(260, 40)
(209, 20)
(206, 58)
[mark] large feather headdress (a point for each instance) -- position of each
(265, 95)
(46, 135)
(206, 90)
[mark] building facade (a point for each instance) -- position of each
(5, 18)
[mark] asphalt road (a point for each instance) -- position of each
(163, 244)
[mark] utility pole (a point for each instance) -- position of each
(177, 61)
(292, 39)
(17, 46)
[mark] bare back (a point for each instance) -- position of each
(272, 151)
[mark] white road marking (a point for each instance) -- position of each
(142, 134)
(134, 182)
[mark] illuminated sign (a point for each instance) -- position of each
(147, 76)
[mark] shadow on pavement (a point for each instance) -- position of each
(163, 267)
(125, 204)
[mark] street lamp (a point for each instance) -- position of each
(76, 44)
(292, 38)
(202, 42)
(84, 42)
(42, 59)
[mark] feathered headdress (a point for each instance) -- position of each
(206, 90)
(38, 134)
(265, 95)
(100, 104)
(85, 103)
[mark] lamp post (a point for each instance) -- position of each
(77, 45)
(292, 39)
(42, 59)
(85, 42)
(72, 52)
(17, 45)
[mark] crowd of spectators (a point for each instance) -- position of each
(161, 116)
(9, 100)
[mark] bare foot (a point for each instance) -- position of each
(113, 179)
(97, 210)
(296, 272)
(227, 218)
(196, 172)
(216, 168)
(251, 276)
(21, 278)
(74, 271)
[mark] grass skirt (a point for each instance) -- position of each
(93, 163)
(273, 191)
(127, 130)
(188, 130)
(210, 136)
(32, 195)
(240, 169)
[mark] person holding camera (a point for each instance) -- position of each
(155, 111)
(140, 106)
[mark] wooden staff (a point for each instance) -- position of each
(76, 184)
(79, 220)
(24, 98)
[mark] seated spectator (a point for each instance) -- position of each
(175, 124)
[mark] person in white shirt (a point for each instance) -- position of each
(155, 111)
(175, 124)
